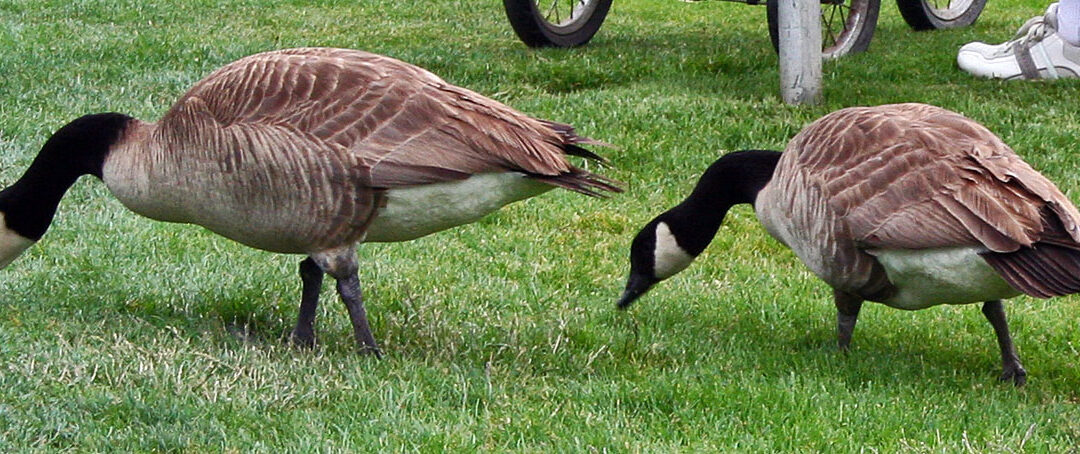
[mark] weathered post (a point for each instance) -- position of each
(799, 22)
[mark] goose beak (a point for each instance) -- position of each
(12, 244)
(636, 286)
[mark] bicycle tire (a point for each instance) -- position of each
(940, 14)
(557, 23)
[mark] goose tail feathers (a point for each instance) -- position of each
(579, 180)
(582, 182)
(574, 150)
(1043, 270)
(570, 136)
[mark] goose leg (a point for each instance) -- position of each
(349, 289)
(1010, 362)
(847, 313)
(341, 264)
(311, 276)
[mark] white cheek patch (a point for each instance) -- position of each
(669, 257)
(12, 244)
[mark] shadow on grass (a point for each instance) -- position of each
(547, 340)
(742, 343)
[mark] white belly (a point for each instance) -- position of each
(928, 277)
(421, 210)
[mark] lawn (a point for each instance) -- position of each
(118, 333)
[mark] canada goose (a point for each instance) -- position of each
(308, 151)
(908, 205)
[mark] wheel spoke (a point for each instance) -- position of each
(553, 10)
(830, 36)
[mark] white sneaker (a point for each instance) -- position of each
(1036, 52)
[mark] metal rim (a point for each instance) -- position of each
(838, 22)
(565, 16)
(947, 10)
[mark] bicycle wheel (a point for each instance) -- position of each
(556, 23)
(846, 25)
(938, 14)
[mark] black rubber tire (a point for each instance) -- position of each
(939, 14)
(846, 25)
(534, 24)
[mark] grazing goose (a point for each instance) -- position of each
(308, 151)
(908, 205)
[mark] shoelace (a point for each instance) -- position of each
(1033, 31)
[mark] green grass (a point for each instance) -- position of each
(121, 334)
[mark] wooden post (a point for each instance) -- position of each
(800, 50)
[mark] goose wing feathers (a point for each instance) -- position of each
(913, 176)
(398, 124)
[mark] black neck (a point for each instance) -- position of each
(733, 179)
(79, 148)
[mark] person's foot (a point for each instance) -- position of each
(1036, 52)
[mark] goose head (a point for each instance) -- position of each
(27, 207)
(655, 255)
(672, 240)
